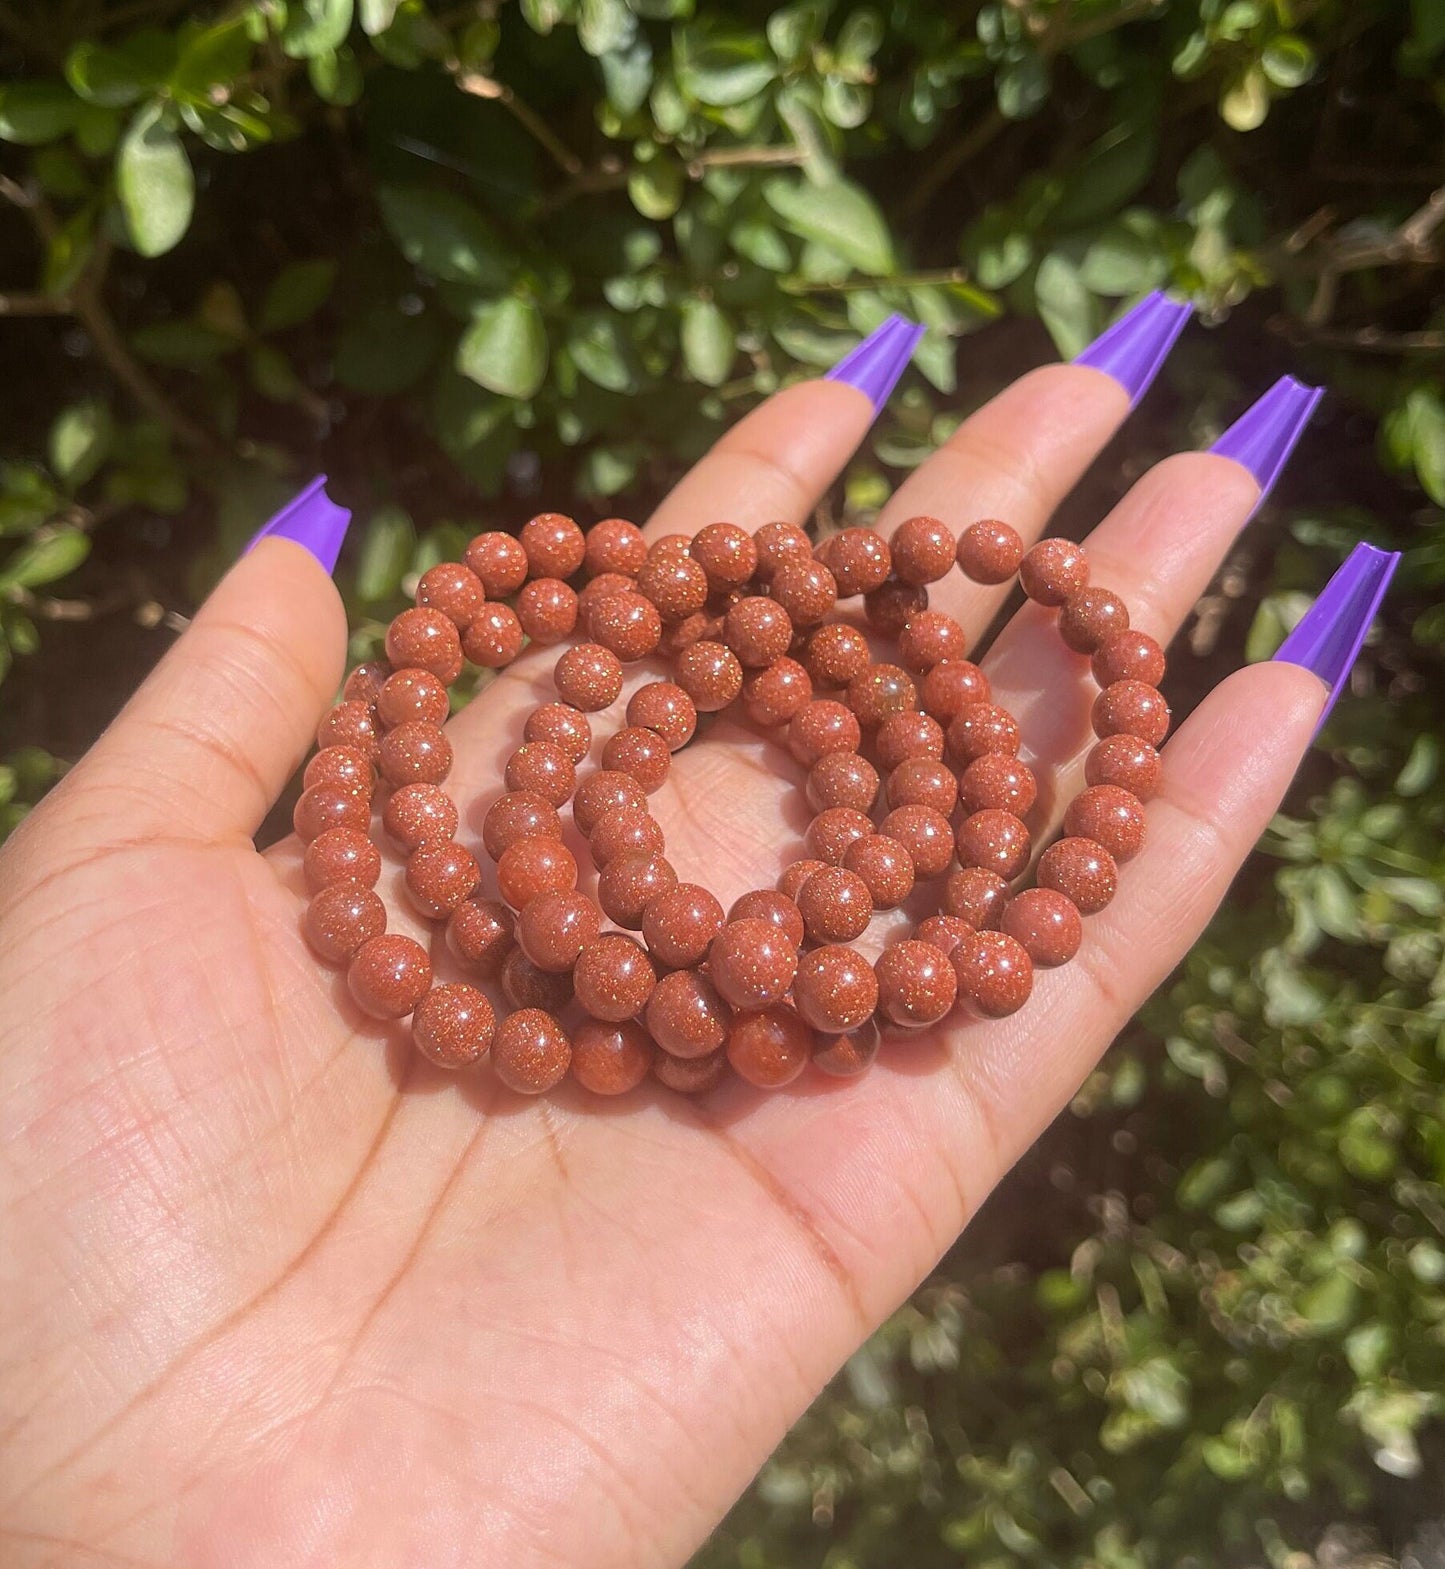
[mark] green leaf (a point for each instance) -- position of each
(386, 551)
(211, 57)
(116, 78)
(1416, 435)
(656, 187)
(156, 186)
(336, 76)
(377, 15)
(315, 26)
(759, 241)
(1245, 102)
(46, 559)
(709, 343)
(1065, 305)
(605, 25)
(444, 236)
(505, 348)
(32, 113)
(384, 350)
(1120, 262)
(188, 345)
(793, 30)
(297, 292)
(601, 350)
(721, 67)
(1113, 170)
(1329, 1304)
(859, 39)
(80, 441)
(272, 374)
(1022, 86)
(627, 75)
(839, 215)
(1288, 61)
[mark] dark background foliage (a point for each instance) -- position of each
(480, 258)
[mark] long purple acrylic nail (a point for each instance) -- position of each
(1265, 435)
(1134, 349)
(1331, 632)
(876, 364)
(313, 520)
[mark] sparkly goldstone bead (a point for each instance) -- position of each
(679, 635)
(859, 560)
(769, 1048)
(1131, 708)
(427, 640)
(1109, 816)
(627, 624)
(944, 932)
(1128, 762)
(835, 905)
(990, 551)
(629, 884)
(588, 676)
(341, 855)
(975, 895)
(519, 815)
(995, 840)
(916, 984)
(792, 878)
(679, 925)
(669, 545)
(979, 729)
(949, 686)
(611, 1058)
(439, 876)
(412, 696)
(726, 553)
(820, 727)
(599, 588)
(842, 779)
(601, 794)
(833, 830)
(774, 696)
(526, 986)
(885, 866)
(389, 975)
(1082, 871)
(807, 590)
(879, 693)
(453, 1025)
(480, 934)
(547, 609)
(752, 964)
(352, 724)
(542, 769)
(906, 736)
(453, 589)
(494, 639)
(995, 974)
(631, 831)
(613, 978)
(1091, 616)
(930, 638)
(329, 806)
(1052, 570)
(710, 675)
(846, 1056)
(663, 706)
(365, 681)
(499, 561)
(763, 904)
(554, 928)
(341, 918)
(553, 544)
(415, 753)
(777, 545)
(835, 989)
(922, 782)
(686, 1016)
(676, 584)
(533, 866)
(562, 726)
(1000, 782)
(1046, 923)
(690, 1076)
(531, 1052)
(419, 814)
(1128, 656)
(923, 550)
(925, 834)
(614, 545)
(641, 753)
(890, 607)
(343, 767)
(835, 653)
(758, 631)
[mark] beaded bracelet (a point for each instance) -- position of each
(748, 623)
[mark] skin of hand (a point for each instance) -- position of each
(275, 1291)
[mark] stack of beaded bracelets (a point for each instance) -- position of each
(746, 621)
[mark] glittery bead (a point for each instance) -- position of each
(343, 767)
(663, 707)
(601, 794)
(752, 964)
(685, 1015)
(524, 985)
(453, 589)
(892, 606)
(589, 676)
(627, 624)
(925, 834)
(995, 974)
(842, 779)
(1128, 655)
(427, 640)
(777, 545)
(641, 753)
(859, 560)
(351, 723)
(710, 675)
(885, 866)
(690, 1076)
(499, 561)
(758, 631)
(975, 895)
(1052, 570)
(930, 638)
(554, 928)
(494, 639)
(1131, 708)
(340, 918)
(412, 696)
(419, 814)
(981, 728)
(792, 877)
(453, 1026)
(726, 553)
(950, 686)
(1082, 871)
(921, 782)
(480, 934)
(439, 876)
(415, 753)
(990, 552)
(677, 585)
(833, 830)
(944, 932)
(1128, 762)
(541, 769)
(519, 815)
(995, 780)
(547, 609)
(923, 550)
(1089, 617)
(553, 544)
(763, 904)
(598, 589)
(1111, 817)
(906, 736)
(1046, 924)
(916, 984)
(679, 635)
(835, 653)
(608, 1058)
(365, 681)
(561, 726)
(880, 692)
(329, 806)
(629, 884)
(835, 905)
(846, 1056)
(773, 696)
(995, 840)
(632, 831)
(807, 590)
(679, 925)
(533, 866)
(389, 975)
(669, 545)
(341, 855)
(613, 978)
(820, 727)
(835, 989)
(530, 1052)
(769, 1049)
(614, 545)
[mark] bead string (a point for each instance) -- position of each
(747, 622)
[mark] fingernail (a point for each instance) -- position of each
(1263, 437)
(1330, 633)
(876, 364)
(1134, 349)
(312, 519)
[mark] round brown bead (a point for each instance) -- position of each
(542, 769)
(641, 753)
(1047, 925)
(589, 676)
(610, 1058)
(415, 753)
(389, 975)
(752, 964)
(685, 1015)
(613, 978)
(890, 608)
(1111, 817)
(773, 696)
(480, 933)
(427, 640)
(846, 1056)
(997, 781)
(342, 917)
(758, 631)
(995, 840)
(763, 904)
(835, 653)
(323, 807)
(1128, 655)
(352, 724)
(453, 589)
(341, 855)
(990, 551)
(669, 545)
(553, 544)
(547, 609)
(833, 830)
(342, 767)
(499, 561)
(778, 544)
(842, 779)
(412, 696)
(807, 590)
(1052, 570)
(835, 989)
(792, 878)
(923, 550)
(1082, 871)
(885, 866)
(663, 707)
(678, 635)
(925, 834)
(726, 553)
(769, 1049)
(1131, 708)
(1128, 762)
(950, 686)
(944, 932)
(908, 736)
(632, 831)
(916, 984)
(614, 545)
(1091, 616)
(494, 639)
(453, 1025)
(629, 884)
(601, 794)
(836, 905)
(554, 928)
(879, 693)
(859, 560)
(679, 925)
(516, 816)
(921, 782)
(995, 974)
(690, 1076)
(362, 685)
(530, 1051)
(526, 986)
(533, 866)
(598, 589)
(419, 814)
(979, 729)
(820, 727)
(562, 726)
(676, 584)
(930, 638)
(627, 624)
(975, 895)
(710, 675)
(439, 876)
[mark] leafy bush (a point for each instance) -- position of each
(467, 257)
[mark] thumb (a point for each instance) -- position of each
(208, 742)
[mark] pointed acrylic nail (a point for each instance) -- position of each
(313, 520)
(1331, 632)
(1134, 349)
(1263, 437)
(876, 364)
